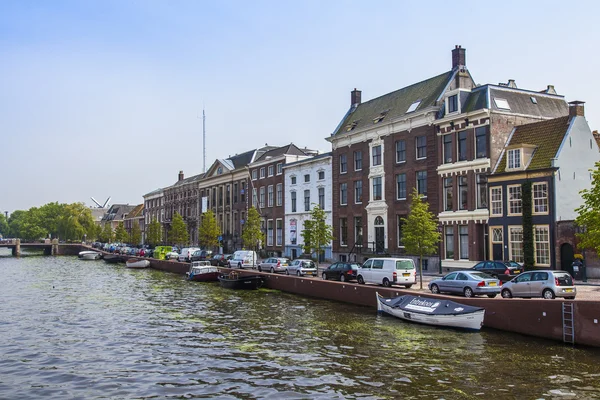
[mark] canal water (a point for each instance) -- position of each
(73, 329)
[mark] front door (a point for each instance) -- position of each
(379, 239)
(294, 254)
(566, 258)
(497, 251)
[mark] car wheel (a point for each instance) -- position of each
(324, 276)
(272, 270)
(342, 278)
(506, 294)
(386, 282)
(408, 286)
(361, 280)
(435, 289)
(491, 296)
(240, 265)
(298, 273)
(287, 272)
(468, 292)
(548, 294)
(259, 269)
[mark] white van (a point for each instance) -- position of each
(186, 254)
(388, 271)
(243, 259)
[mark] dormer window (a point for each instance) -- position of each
(380, 117)
(452, 104)
(351, 126)
(514, 159)
(413, 106)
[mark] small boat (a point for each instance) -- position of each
(445, 313)
(202, 271)
(89, 255)
(114, 258)
(135, 263)
(233, 280)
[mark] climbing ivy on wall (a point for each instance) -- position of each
(528, 259)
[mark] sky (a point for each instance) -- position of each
(105, 98)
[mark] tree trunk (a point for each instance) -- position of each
(421, 270)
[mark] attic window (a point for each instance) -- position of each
(501, 103)
(219, 170)
(413, 106)
(351, 126)
(533, 100)
(514, 159)
(380, 117)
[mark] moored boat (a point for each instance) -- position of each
(114, 258)
(202, 271)
(89, 255)
(136, 263)
(430, 311)
(233, 280)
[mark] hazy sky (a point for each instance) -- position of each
(102, 98)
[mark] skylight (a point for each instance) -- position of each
(351, 126)
(501, 103)
(533, 100)
(413, 106)
(380, 117)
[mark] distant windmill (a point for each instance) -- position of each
(101, 205)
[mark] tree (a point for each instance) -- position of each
(252, 235)
(588, 214)
(136, 234)
(208, 231)
(420, 233)
(178, 233)
(154, 236)
(316, 233)
(15, 223)
(528, 249)
(107, 234)
(3, 226)
(121, 234)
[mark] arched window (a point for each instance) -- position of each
(378, 221)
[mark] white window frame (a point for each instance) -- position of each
(356, 199)
(279, 194)
(270, 170)
(345, 163)
(511, 243)
(541, 202)
(270, 195)
(448, 228)
(254, 174)
(542, 247)
(496, 201)
(342, 243)
(262, 172)
(448, 112)
(279, 168)
(261, 199)
(279, 232)
(514, 159)
(514, 203)
(460, 242)
(405, 187)
(356, 159)
(381, 197)
(293, 179)
(417, 147)
(380, 155)
(270, 232)
(396, 151)
(319, 172)
(342, 197)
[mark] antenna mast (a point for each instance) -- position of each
(203, 142)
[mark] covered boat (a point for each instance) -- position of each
(432, 311)
(89, 255)
(233, 280)
(136, 263)
(202, 271)
(114, 258)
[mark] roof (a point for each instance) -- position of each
(546, 136)
(157, 191)
(290, 149)
(395, 104)
(136, 212)
(309, 160)
(117, 211)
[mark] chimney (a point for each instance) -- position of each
(576, 109)
(180, 176)
(459, 57)
(355, 97)
(550, 89)
(512, 84)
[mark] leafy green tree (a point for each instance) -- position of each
(121, 234)
(136, 234)
(252, 235)
(178, 234)
(154, 235)
(107, 235)
(4, 229)
(316, 233)
(15, 223)
(209, 231)
(32, 228)
(420, 233)
(588, 214)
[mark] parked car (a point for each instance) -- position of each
(503, 270)
(545, 283)
(200, 255)
(220, 260)
(243, 259)
(467, 283)
(302, 267)
(186, 254)
(388, 271)
(172, 255)
(274, 264)
(341, 271)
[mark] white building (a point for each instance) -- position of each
(307, 183)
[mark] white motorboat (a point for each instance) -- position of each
(135, 263)
(430, 311)
(89, 255)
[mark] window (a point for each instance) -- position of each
(343, 194)
(270, 170)
(449, 242)
(496, 197)
(516, 244)
(514, 159)
(482, 200)
(254, 197)
(235, 192)
(358, 230)
(463, 193)
(293, 201)
(262, 172)
(321, 175)
(307, 178)
(343, 232)
(243, 192)
(262, 197)
(447, 149)
(401, 187)
(279, 232)
(540, 198)
(413, 106)
(452, 104)
(514, 200)
(279, 194)
(322, 198)
(533, 100)
(400, 224)
(227, 194)
(421, 147)
(422, 183)
(542, 245)
(400, 151)
(343, 164)
(448, 194)
(377, 188)
(463, 232)
(307, 200)
(270, 232)
(270, 195)
(293, 180)
(462, 146)
(480, 142)
(376, 155)
(254, 174)
(279, 168)
(501, 103)
(497, 235)
(357, 160)
(357, 192)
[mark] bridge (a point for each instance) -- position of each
(51, 248)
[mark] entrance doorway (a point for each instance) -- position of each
(294, 254)
(379, 235)
(566, 257)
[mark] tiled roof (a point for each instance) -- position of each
(136, 212)
(477, 100)
(279, 151)
(520, 102)
(309, 160)
(547, 136)
(395, 104)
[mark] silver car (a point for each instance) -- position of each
(274, 264)
(547, 284)
(467, 283)
(302, 267)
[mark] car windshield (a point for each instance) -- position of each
(564, 279)
(481, 275)
(404, 264)
(355, 267)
